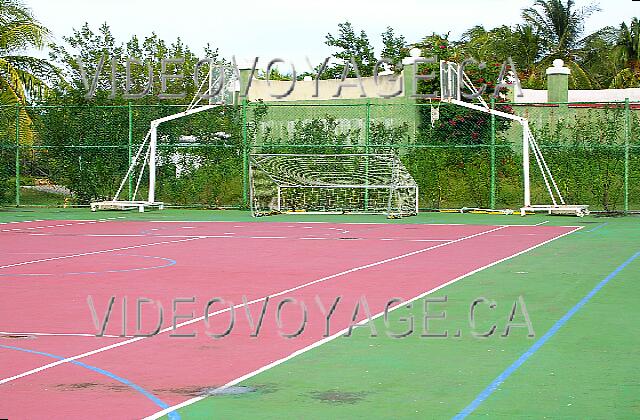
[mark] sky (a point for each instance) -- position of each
(292, 29)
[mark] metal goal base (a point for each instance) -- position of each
(125, 205)
(577, 210)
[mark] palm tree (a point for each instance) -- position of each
(627, 55)
(560, 26)
(22, 77)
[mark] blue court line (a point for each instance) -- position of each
(597, 227)
(153, 398)
(486, 393)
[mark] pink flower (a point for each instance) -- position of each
(442, 47)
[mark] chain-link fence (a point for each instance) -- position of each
(70, 155)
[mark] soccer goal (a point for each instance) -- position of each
(331, 184)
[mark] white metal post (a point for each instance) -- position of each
(279, 199)
(210, 90)
(152, 162)
(525, 163)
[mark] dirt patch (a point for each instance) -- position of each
(17, 337)
(188, 391)
(266, 388)
(338, 397)
(93, 385)
(117, 388)
(80, 385)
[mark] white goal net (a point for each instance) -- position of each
(323, 183)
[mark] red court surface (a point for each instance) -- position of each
(48, 269)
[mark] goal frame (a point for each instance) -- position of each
(392, 187)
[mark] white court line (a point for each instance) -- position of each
(340, 333)
(263, 237)
(338, 223)
(62, 257)
(542, 223)
(22, 221)
(62, 334)
(428, 240)
(72, 223)
(229, 236)
(283, 292)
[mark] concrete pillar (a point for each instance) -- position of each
(408, 90)
(558, 82)
(408, 73)
(244, 68)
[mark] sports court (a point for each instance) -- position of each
(433, 232)
(51, 353)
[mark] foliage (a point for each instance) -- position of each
(351, 45)
(88, 147)
(90, 47)
(585, 150)
(626, 54)
(521, 43)
(357, 46)
(394, 47)
(560, 26)
(22, 78)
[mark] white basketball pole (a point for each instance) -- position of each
(152, 162)
(525, 164)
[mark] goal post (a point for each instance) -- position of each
(331, 184)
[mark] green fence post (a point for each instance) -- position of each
(367, 133)
(245, 157)
(17, 155)
(492, 197)
(129, 149)
(627, 137)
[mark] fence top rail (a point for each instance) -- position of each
(318, 104)
(302, 105)
(350, 186)
(621, 102)
(90, 106)
(302, 155)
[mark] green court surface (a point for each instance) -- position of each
(589, 367)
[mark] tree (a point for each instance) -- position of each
(628, 45)
(351, 46)
(92, 46)
(560, 26)
(627, 55)
(394, 47)
(22, 77)
(494, 46)
(597, 56)
(88, 150)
